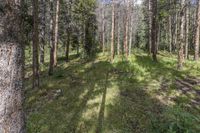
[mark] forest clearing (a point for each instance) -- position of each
(99, 66)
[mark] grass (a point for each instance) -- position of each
(97, 96)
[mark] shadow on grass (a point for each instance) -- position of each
(97, 96)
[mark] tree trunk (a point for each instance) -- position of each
(113, 31)
(126, 33)
(51, 42)
(103, 29)
(149, 26)
(196, 55)
(131, 27)
(11, 69)
(67, 47)
(187, 31)
(170, 34)
(43, 30)
(35, 45)
(181, 40)
(56, 31)
(154, 29)
(118, 35)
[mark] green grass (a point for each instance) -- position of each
(97, 96)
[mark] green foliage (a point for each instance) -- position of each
(176, 120)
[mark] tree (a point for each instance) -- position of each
(126, 31)
(11, 68)
(43, 29)
(35, 45)
(187, 30)
(54, 37)
(196, 55)
(182, 39)
(113, 31)
(154, 29)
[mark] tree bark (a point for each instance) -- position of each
(35, 66)
(187, 31)
(43, 30)
(181, 40)
(118, 34)
(126, 33)
(67, 47)
(150, 25)
(113, 31)
(154, 30)
(196, 55)
(54, 38)
(11, 69)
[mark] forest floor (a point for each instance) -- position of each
(96, 96)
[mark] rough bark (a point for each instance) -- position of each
(11, 69)
(154, 30)
(54, 37)
(67, 47)
(187, 31)
(182, 39)
(11, 84)
(103, 29)
(150, 24)
(131, 27)
(118, 34)
(35, 66)
(126, 32)
(196, 55)
(113, 31)
(43, 30)
(56, 31)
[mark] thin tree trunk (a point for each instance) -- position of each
(103, 29)
(154, 30)
(118, 34)
(149, 26)
(113, 31)
(51, 42)
(43, 30)
(170, 34)
(131, 28)
(187, 31)
(67, 47)
(181, 40)
(196, 55)
(126, 33)
(56, 31)
(35, 45)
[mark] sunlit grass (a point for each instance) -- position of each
(134, 95)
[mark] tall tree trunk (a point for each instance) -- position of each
(43, 30)
(103, 29)
(154, 30)
(126, 33)
(35, 44)
(67, 47)
(11, 69)
(113, 31)
(181, 40)
(118, 34)
(176, 29)
(196, 55)
(150, 24)
(131, 27)
(170, 34)
(51, 42)
(54, 31)
(187, 30)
